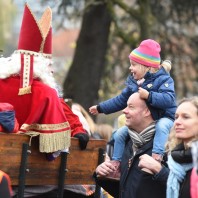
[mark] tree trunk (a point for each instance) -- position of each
(83, 80)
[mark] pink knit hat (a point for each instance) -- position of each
(147, 54)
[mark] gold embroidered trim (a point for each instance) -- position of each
(49, 142)
(52, 142)
(26, 71)
(45, 22)
(27, 52)
(45, 127)
(24, 90)
(44, 26)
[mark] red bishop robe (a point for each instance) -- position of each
(38, 113)
(74, 121)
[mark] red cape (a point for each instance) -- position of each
(38, 113)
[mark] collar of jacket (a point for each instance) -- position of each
(181, 155)
(160, 72)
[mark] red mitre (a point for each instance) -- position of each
(36, 36)
(35, 39)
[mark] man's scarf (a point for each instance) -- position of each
(139, 139)
(176, 176)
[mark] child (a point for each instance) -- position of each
(156, 86)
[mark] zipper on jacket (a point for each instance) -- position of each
(130, 162)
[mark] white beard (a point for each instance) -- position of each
(12, 66)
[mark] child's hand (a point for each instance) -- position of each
(143, 93)
(93, 110)
(157, 157)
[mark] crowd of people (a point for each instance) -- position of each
(156, 143)
(155, 149)
(154, 85)
(171, 178)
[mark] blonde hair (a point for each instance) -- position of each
(87, 117)
(173, 141)
(167, 65)
(153, 70)
(121, 120)
(104, 130)
(144, 69)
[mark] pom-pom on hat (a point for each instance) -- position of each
(35, 39)
(147, 54)
(167, 65)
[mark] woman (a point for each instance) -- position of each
(185, 131)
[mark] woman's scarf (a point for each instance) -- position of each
(139, 139)
(176, 176)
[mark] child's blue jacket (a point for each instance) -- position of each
(161, 100)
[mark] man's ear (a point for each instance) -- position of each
(147, 112)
